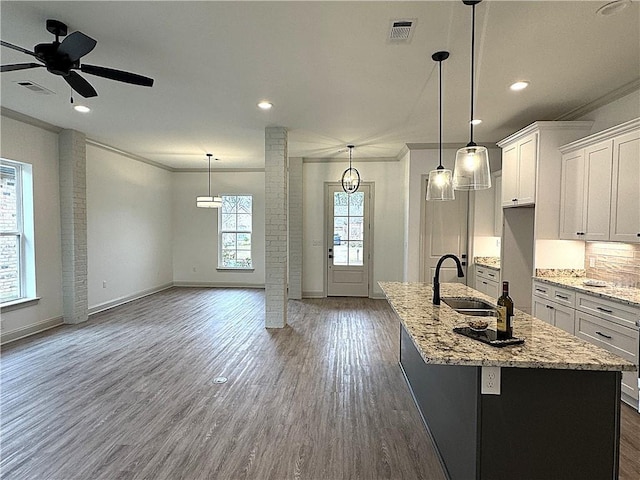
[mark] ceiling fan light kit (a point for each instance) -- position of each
(209, 201)
(63, 59)
(472, 171)
(440, 183)
(350, 177)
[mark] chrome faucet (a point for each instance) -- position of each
(436, 279)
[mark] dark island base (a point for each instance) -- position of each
(545, 424)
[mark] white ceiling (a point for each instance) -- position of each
(328, 68)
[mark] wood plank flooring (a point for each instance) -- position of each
(130, 395)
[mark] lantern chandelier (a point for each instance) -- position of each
(471, 171)
(351, 176)
(209, 201)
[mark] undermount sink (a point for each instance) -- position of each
(471, 306)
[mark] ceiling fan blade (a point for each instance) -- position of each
(77, 45)
(18, 66)
(16, 47)
(118, 75)
(80, 85)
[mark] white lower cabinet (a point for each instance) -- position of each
(619, 340)
(488, 281)
(606, 323)
(554, 305)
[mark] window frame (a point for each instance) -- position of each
(20, 233)
(222, 231)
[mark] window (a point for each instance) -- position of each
(17, 272)
(235, 225)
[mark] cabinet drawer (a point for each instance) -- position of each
(619, 340)
(560, 295)
(542, 290)
(487, 273)
(564, 296)
(615, 312)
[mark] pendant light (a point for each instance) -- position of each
(209, 201)
(351, 176)
(440, 185)
(471, 171)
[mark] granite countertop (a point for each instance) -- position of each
(627, 295)
(488, 262)
(431, 329)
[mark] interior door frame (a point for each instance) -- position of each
(422, 270)
(325, 251)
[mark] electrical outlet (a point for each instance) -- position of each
(104, 284)
(592, 261)
(490, 381)
(194, 269)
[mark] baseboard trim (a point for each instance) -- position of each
(29, 330)
(313, 295)
(128, 298)
(218, 285)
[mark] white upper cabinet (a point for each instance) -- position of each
(519, 172)
(572, 196)
(597, 194)
(600, 197)
(625, 188)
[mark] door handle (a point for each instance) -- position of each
(603, 335)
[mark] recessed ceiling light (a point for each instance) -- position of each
(476, 121)
(612, 8)
(264, 105)
(81, 109)
(519, 86)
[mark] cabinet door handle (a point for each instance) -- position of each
(604, 310)
(491, 275)
(540, 290)
(549, 306)
(604, 335)
(484, 283)
(514, 199)
(562, 297)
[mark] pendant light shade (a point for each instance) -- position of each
(440, 184)
(209, 201)
(350, 177)
(471, 170)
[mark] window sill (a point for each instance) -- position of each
(18, 304)
(238, 270)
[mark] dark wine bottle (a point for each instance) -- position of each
(505, 314)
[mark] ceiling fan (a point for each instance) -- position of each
(63, 58)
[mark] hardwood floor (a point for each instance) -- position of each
(131, 395)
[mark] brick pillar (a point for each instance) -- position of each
(295, 228)
(73, 212)
(275, 227)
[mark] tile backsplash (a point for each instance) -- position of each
(613, 262)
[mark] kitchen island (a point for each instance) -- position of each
(554, 406)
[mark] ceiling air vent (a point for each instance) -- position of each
(34, 87)
(401, 31)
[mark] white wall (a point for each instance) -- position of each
(195, 232)
(388, 221)
(39, 147)
(615, 113)
(129, 230)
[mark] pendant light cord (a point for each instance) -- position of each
(209, 156)
(440, 103)
(473, 43)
